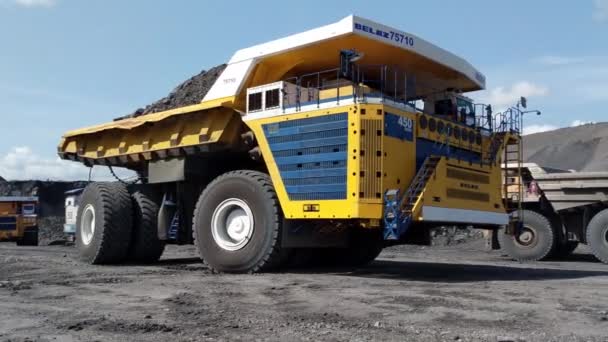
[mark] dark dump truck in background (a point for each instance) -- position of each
(561, 209)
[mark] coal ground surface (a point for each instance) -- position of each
(456, 293)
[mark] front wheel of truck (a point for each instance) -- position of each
(535, 241)
(237, 223)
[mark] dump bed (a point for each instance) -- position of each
(573, 189)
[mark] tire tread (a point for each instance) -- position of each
(274, 256)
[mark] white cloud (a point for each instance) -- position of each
(501, 97)
(531, 129)
(30, 3)
(600, 11)
(21, 163)
(576, 123)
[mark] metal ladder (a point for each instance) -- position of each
(514, 193)
(398, 209)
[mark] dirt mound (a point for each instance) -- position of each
(51, 204)
(581, 148)
(191, 91)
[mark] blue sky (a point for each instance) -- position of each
(65, 64)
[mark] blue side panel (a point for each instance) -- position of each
(399, 127)
(311, 155)
(425, 147)
(8, 223)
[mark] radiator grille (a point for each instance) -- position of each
(467, 176)
(370, 180)
(8, 223)
(311, 155)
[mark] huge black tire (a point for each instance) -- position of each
(536, 240)
(597, 235)
(104, 223)
(30, 238)
(237, 201)
(145, 245)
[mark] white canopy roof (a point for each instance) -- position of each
(243, 61)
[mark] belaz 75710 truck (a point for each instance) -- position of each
(336, 142)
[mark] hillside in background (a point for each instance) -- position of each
(580, 148)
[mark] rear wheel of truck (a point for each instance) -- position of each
(238, 222)
(597, 235)
(535, 241)
(104, 223)
(30, 238)
(145, 246)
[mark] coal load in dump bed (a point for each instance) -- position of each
(190, 92)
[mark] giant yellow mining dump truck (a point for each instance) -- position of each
(19, 220)
(335, 142)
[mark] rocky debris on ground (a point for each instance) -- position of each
(51, 210)
(14, 286)
(449, 236)
(50, 229)
(190, 92)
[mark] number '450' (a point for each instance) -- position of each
(406, 123)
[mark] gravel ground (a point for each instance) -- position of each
(409, 294)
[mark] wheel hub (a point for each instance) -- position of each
(232, 224)
(87, 225)
(527, 237)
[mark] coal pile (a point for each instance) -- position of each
(190, 92)
(580, 148)
(51, 211)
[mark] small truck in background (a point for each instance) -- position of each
(19, 220)
(561, 209)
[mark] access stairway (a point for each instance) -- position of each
(507, 143)
(399, 209)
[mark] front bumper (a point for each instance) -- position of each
(438, 214)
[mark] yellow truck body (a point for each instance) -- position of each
(18, 220)
(342, 141)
